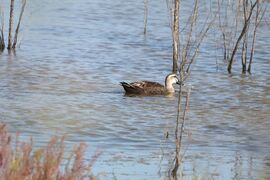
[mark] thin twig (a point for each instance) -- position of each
(145, 16)
(193, 20)
(203, 34)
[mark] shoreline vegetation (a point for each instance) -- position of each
(19, 160)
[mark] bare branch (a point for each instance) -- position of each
(10, 24)
(193, 21)
(18, 25)
(176, 35)
(245, 38)
(203, 34)
(2, 38)
(258, 19)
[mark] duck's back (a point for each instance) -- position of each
(144, 88)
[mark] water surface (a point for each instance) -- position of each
(64, 79)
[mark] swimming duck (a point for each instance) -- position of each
(149, 88)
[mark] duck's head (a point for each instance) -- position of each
(170, 80)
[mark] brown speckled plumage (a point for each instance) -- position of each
(149, 87)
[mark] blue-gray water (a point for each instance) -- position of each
(64, 79)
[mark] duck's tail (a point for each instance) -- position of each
(128, 88)
(124, 84)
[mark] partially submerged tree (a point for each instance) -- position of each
(245, 38)
(2, 40)
(145, 16)
(10, 27)
(18, 25)
(233, 34)
(175, 33)
(243, 32)
(260, 11)
(11, 42)
(184, 55)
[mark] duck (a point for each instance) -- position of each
(148, 88)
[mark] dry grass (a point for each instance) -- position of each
(20, 161)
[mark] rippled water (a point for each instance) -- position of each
(64, 79)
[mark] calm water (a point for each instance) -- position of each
(64, 79)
